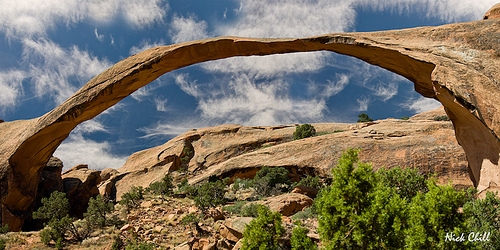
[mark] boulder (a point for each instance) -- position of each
(456, 64)
(287, 204)
(232, 230)
(308, 191)
(80, 184)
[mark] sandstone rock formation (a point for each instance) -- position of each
(240, 151)
(80, 183)
(456, 64)
(493, 13)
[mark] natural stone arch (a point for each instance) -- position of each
(456, 64)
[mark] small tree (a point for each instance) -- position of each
(163, 188)
(356, 212)
(304, 131)
(97, 210)
(131, 198)
(210, 194)
(300, 241)
(434, 214)
(54, 209)
(271, 180)
(407, 182)
(264, 231)
(364, 118)
(483, 217)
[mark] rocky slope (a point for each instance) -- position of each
(240, 151)
(456, 64)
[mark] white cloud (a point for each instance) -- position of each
(271, 65)
(161, 104)
(265, 103)
(363, 103)
(59, 72)
(76, 149)
(189, 87)
(144, 45)
(141, 93)
(28, 18)
(422, 104)
(10, 88)
(100, 38)
(292, 18)
(185, 29)
(445, 10)
(386, 90)
(168, 130)
(90, 126)
(270, 18)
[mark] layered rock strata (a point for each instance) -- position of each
(456, 64)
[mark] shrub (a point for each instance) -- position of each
(300, 241)
(364, 118)
(97, 210)
(163, 188)
(118, 243)
(310, 181)
(482, 217)
(243, 209)
(405, 118)
(4, 229)
(241, 184)
(363, 209)
(304, 131)
(264, 231)
(131, 198)
(190, 219)
(354, 213)
(210, 194)
(271, 181)
(2, 244)
(55, 209)
(434, 214)
(305, 214)
(407, 182)
(441, 118)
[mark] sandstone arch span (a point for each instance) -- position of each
(456, 64)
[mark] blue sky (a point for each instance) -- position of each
(49, 49)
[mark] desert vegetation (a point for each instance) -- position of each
(355, 208)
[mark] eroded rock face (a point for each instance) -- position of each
(456, 64)
(493, 13)
(240, 151)
(80, 184)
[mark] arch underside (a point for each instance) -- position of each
(35, 144)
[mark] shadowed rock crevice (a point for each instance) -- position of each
(460, 58)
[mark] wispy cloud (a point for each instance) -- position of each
(99, 37)
(330, 88)
(363, 103)
(59, 72)
(421, 104)
(11, 88)
(445, 10)
(77, 149)
(186, 29)
(170, 129)
(264, 103)
(28, 18)
(161, 104)
(189, 87)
